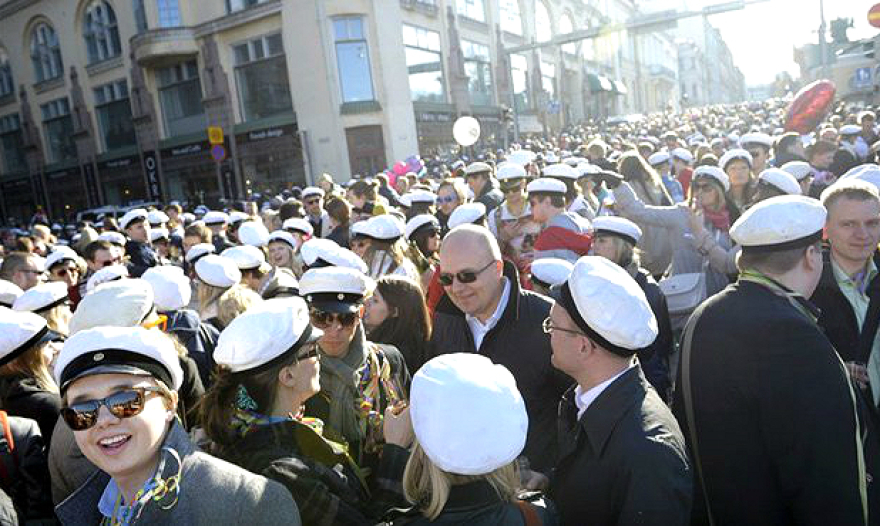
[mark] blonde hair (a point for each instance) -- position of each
(53, 319)
(207, 295)
(235, 301)
(33, 364)
(427, 486)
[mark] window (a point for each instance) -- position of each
(140, 16)
(424, 64)
(353, 60)
(472, 9)
(12, 144)
(180, 94)
(238, 5)
(548, 79)
(510, 16)
(261, 76)
(519, 70)
(114, 115)
(7, 86)
(45, 53)
(100, 32)
(479, 71)
(543, 30)
(169, 13)
(58, 130)
(588, 45)
(565, 27)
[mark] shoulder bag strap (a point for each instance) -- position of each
(688, 396)
(529, 514)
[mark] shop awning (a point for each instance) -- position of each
(620, 88)
(599, 83)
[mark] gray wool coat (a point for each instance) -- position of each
(212, 492)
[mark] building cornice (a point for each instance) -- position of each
(12, 6)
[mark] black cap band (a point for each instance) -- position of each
(787, 245)
(52, 305)
(21, 349)
(567, 302)
(108, 358)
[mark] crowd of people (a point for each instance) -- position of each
(673, 320)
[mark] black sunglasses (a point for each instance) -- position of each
(124, 404)
(465, 276)
(322, 320)
(310, 352)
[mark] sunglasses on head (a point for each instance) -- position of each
(322, 320)
(124, 404)
(465, 276)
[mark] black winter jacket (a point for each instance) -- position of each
(21, 396)
(518, 343)
(655, 358)
(141, 257)
(198, 338)
(25, 473)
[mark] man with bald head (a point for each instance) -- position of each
(485, 311)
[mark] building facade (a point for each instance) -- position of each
(706, 67)
(111, 101)
(853, 66)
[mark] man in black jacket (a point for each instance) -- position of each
(479, 178)
(485, 311)
(141, 254)
(763, 398)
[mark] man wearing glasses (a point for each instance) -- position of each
(485, 311)
(758, 145)
(24, 269)
(313, 203)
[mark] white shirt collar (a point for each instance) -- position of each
(583, 399)
(478, 328)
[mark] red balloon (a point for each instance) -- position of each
(809, 107)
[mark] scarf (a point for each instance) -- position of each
(720, 219)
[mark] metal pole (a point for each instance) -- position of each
(823, 46)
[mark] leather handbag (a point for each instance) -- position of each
(684, 292)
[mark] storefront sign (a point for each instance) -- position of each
(117, 163)
(186, 149)
(266, 133)
(61, 174)
(433, 117)
(151, 174)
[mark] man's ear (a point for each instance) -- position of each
(286, 376)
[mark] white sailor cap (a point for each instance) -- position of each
(466, 213)
(550, 271)
(735, 153)
(510, 171)
(319, 252)
(608, 305)
(188, 217)
(586, 169)
(198, 251)
(618, 226)
(42, 297)
(246, 257)
(106, 275)
(201, 210)
(20, 332)
(716, 141)
(215, 217)
(138, 214)
(125, 350)
(468, 414)
(253, 233)
(60, 254)
(157, 217)
(284, 237)
(551, 158)
(309, 191)
(713, 172)
(869, 173)
(236, 217)
(335, 289)
(158, 233)
(217, 271)
(477, 168)
(546, 185)
(781, 180)
(266, 335)
(298, 224)
(123, 303)
(171, 287)
(112, 237)
(780, 223)
(383, 227)
(422, 196)
(560, 171)
(798, 169)
(421, 222)
(658, 158)
(682, 154)
(574, 160)
(850, 129)
(756, 138)
(9, 292)
(521, 157)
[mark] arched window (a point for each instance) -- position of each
(567, 26)
(543, 31)
(100, 32)
(6, 84)
(45, 53)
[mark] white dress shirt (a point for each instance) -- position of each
(583, 399)
(479, 329)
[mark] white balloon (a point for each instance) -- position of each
(466, 130)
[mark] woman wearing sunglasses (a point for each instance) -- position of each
(119, 386)
(450, 195)
(359, 379)
(254, 413)
(26, 385)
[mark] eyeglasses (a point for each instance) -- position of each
(124, 404)
(510, 189)
(322, 320)
(548, 327)
(447, 199)
(311, 351)
(465, 276)
(111, 262)
(161, 322)
(64, 272)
